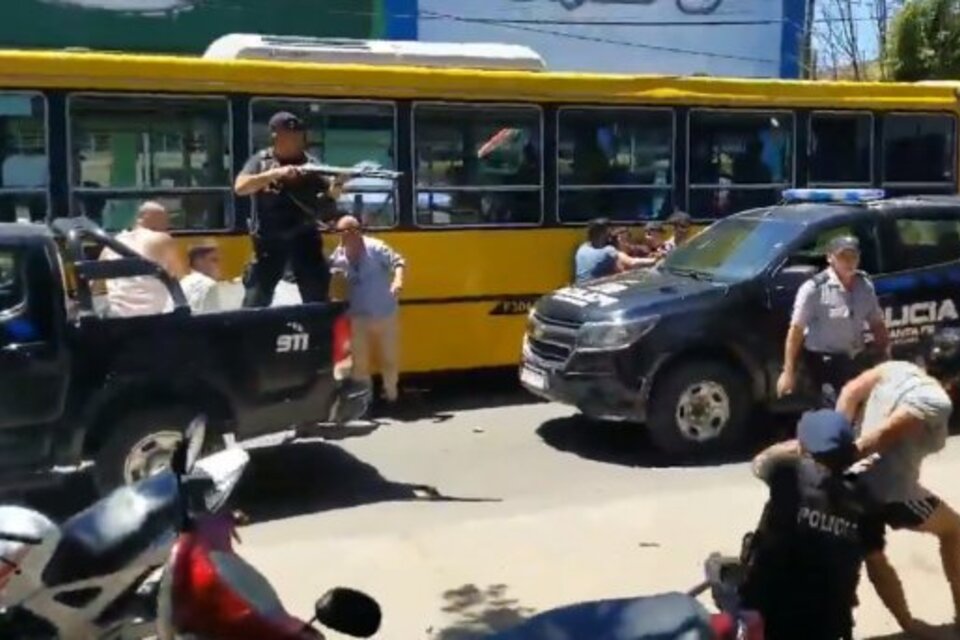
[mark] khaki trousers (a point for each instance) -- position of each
(382, 335)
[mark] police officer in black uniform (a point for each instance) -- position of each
(827, 327)
(289, 208)
(802, 565)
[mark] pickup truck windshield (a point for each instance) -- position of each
(732, 250)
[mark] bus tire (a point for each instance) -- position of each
(699, 407)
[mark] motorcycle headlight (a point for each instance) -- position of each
(612, 336)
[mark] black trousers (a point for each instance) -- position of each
(793, 629)
(833, 370)
(271, 255)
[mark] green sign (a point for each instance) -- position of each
(180, 26)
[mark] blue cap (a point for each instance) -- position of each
(824, 431)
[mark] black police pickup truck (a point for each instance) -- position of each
(75, 386)
(693, 346)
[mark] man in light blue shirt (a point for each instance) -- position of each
(374, 273)
(597, 258)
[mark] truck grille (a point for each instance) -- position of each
(551, 340)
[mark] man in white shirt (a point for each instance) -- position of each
(144, 295)
(200, 285)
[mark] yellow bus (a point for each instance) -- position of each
(502, 161)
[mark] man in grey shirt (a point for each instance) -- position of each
(905, 417)
(830, 314)
(374, 274)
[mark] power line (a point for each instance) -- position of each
(606, 23)
(659, 23)
(623, 43)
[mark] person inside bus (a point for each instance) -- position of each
(598, 258)
(288, 205)
(750, 169)
(144, 295)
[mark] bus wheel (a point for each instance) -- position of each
(699, 407)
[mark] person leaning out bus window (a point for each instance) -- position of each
(598, 258)
(374, 273)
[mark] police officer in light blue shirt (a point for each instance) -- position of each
(597, 257)
(830, 314)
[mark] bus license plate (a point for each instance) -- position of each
(533, 378)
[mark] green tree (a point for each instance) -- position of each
(924, 41)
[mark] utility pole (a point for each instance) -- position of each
(809, 64)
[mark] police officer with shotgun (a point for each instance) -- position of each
(826, 331)
(290, 207)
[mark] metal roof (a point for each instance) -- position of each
(465, 55)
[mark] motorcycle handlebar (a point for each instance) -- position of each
(21, 538)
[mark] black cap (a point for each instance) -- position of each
(824, 431)
(285, 121)
(843, 243)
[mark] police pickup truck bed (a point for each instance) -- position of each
(77, 386)
(692, 347)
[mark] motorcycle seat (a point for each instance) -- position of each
(114, 532)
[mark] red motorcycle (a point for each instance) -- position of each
(723, 578)
(208, 592)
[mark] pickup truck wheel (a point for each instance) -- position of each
(140, 445)
(699, 407)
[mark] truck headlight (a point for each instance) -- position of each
(612, 336)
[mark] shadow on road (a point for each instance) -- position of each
(438, 398)
(311, 477)
(280, 482)
(480, 612)
(629, 445)
(945, 631)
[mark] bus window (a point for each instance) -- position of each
(615, 163)
(738, 160)
(174, 150)
(918, 149)
(841, 149)
(478, 164)
(344, 133)
(23, 157)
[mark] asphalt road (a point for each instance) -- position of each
(476, 508)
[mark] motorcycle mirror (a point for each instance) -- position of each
(350, 612)
(188, 450)
(195, 435)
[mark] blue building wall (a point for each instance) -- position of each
(772, 46)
